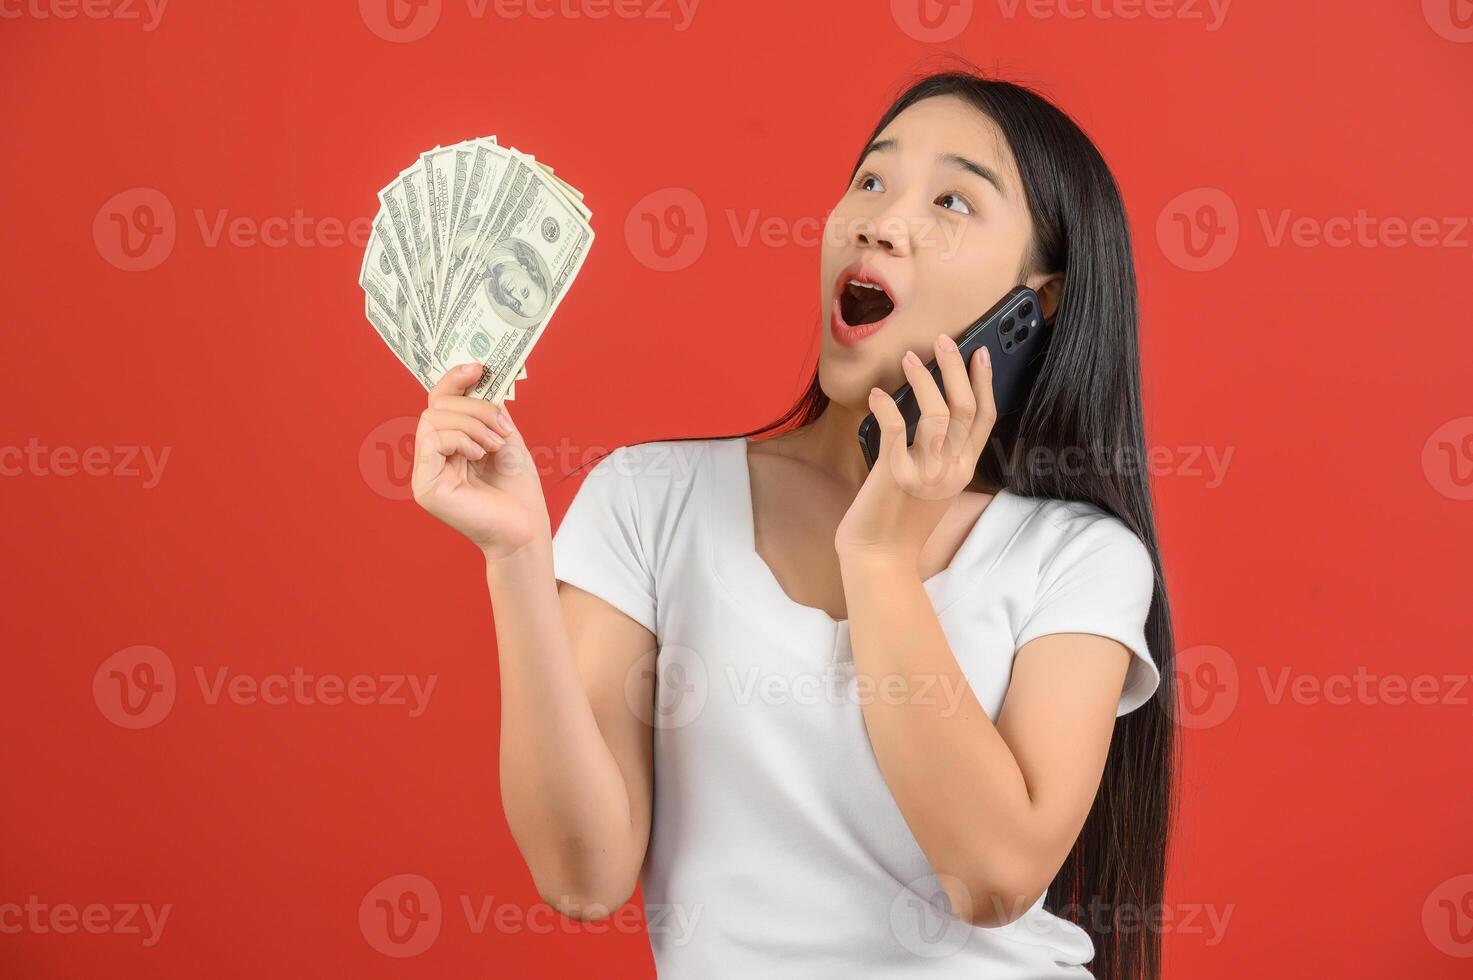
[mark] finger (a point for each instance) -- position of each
(931, 426)
(961, 403)
(457, 380)
(489, 413)
(892, 433)
(448, 442)
(512, 433)
(981, 427)
(444, 420)
(427, 460)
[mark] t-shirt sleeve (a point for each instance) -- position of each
(1101, 580)
(598, 547)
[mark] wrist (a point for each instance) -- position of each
(534, 554)
(877, 560)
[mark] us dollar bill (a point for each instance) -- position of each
(531, 248)
(395, 210)
(416, 358)
(438, 167)
(483, 186)
(385, 282)
(454, 267)
(416, 198)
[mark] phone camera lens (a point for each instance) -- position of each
(1007, 326)
(1026, 309)
(1022, 333)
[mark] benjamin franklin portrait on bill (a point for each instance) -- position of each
(516, 284)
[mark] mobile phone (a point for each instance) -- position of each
(1015, 333)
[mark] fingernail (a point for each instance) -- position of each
(946, 343)
(910, 358)
(987, 357)
(468, 368)
(500, 424)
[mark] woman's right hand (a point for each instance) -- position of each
(473, 471)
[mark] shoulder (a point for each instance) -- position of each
(1063, 534)
(665, 463)
(661, 475)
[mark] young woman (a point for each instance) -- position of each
(852, 722)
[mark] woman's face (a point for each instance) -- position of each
(937, 217)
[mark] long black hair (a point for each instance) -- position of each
(1085, 403)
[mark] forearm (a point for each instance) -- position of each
(564, 795)
(954, 778)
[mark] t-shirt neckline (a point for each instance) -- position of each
(741, 566)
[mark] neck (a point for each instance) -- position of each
(830, 443)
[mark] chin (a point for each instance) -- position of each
(846, 386)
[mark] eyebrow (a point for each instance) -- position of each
(950, 159)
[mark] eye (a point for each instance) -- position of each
(862, 182)
(966, 207)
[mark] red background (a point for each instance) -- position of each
(1336, 376)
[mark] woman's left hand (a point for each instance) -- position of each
(910, 488)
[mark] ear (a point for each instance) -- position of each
(1050, 290)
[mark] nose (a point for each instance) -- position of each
(889, 231)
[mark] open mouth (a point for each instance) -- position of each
(861, 303)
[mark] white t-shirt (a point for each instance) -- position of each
(777, 849)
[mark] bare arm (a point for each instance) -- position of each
(576, 758)
(996, 809)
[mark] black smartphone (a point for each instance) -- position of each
(1017, 336)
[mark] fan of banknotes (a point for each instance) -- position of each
(473, 248)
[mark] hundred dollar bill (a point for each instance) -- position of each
(438, 166)
(474, 191)
(464, 156)
(517, 178)
(483, 181)
(395, 212)
(527, 256)
(416, 196)
(442, 234)
(393, 313)
(574, 196)
(386, 282)
(386, 328)
(417, 359)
